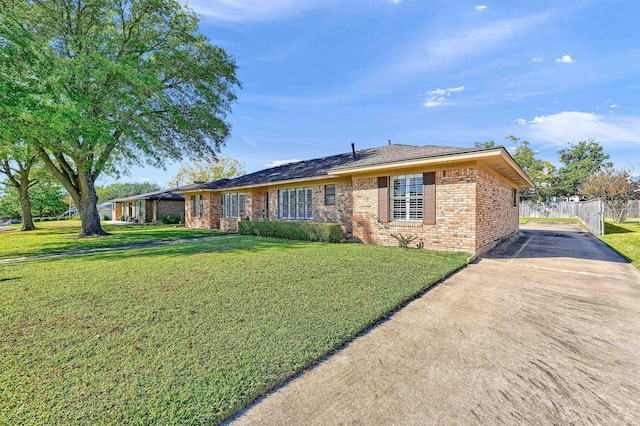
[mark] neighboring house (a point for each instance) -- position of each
(450, 198)
(150, 207)
(104, 210)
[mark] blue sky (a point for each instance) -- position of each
(318, 75)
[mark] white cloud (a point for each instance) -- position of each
(536, 59)
(276, 163)
(246, 11)
(449, 50)
(566, 59)
(574, 126)
(614, 106)
(395, 1)
(480, 8)
(439, 96)
(521, 121)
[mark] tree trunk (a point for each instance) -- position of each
(26, 217)
(88, 210)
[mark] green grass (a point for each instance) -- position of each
(55, 237)
(625, 239)
(188, 333)
(524, 220)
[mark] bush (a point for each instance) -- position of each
(303, 231)
(170, 219)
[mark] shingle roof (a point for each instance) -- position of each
(322, 166)
(165, 194)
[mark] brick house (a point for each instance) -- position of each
(450, 198)
(150, 207)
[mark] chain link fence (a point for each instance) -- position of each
(632, 212)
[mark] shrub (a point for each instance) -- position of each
(303, 231)
(404, 241)
(170, 219)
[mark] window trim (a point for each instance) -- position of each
(197, 210)
(328, 201)
(294, 207)
(409, 205)
(231, 200)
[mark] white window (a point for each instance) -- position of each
(406, 198)
(295, 203)
(233, 205)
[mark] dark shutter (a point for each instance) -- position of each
(429, 198)
(383, 199)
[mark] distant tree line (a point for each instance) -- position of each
(585, 172)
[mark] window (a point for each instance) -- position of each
(330, 195)
(295, 203)
(406, 198)
(196, 200)
(233, 205)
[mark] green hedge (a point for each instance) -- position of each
(304, 231)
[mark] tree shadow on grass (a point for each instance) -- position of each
(610, 228)
(181, 248)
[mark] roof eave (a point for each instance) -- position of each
(440, 159)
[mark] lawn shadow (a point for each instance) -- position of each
(610, 228)
(222, 244)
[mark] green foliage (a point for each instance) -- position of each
(209, 170)
(123, 190)
(188, 333)
(581, 161)
(540, 172)
(403, 241)
(46, 200)
(487, 144)
(170, 219)
(9, 203)
(118, 84)
(303, 231)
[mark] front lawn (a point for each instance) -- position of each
(55, 237)
(624, 238)
(188, 333)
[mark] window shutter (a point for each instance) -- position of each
(383, 199)
(429, 198)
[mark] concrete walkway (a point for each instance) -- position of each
(542, 330)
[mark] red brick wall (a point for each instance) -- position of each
(455, 211)
(497, 217)
(211, 211)
(339, 213)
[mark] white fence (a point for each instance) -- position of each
(591, 213)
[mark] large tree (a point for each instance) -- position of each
(17, 164)
(110, 83)
(614, 188)
(208, 170)
(581, 161)
(541, 172)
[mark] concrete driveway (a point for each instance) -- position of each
(542, 330)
